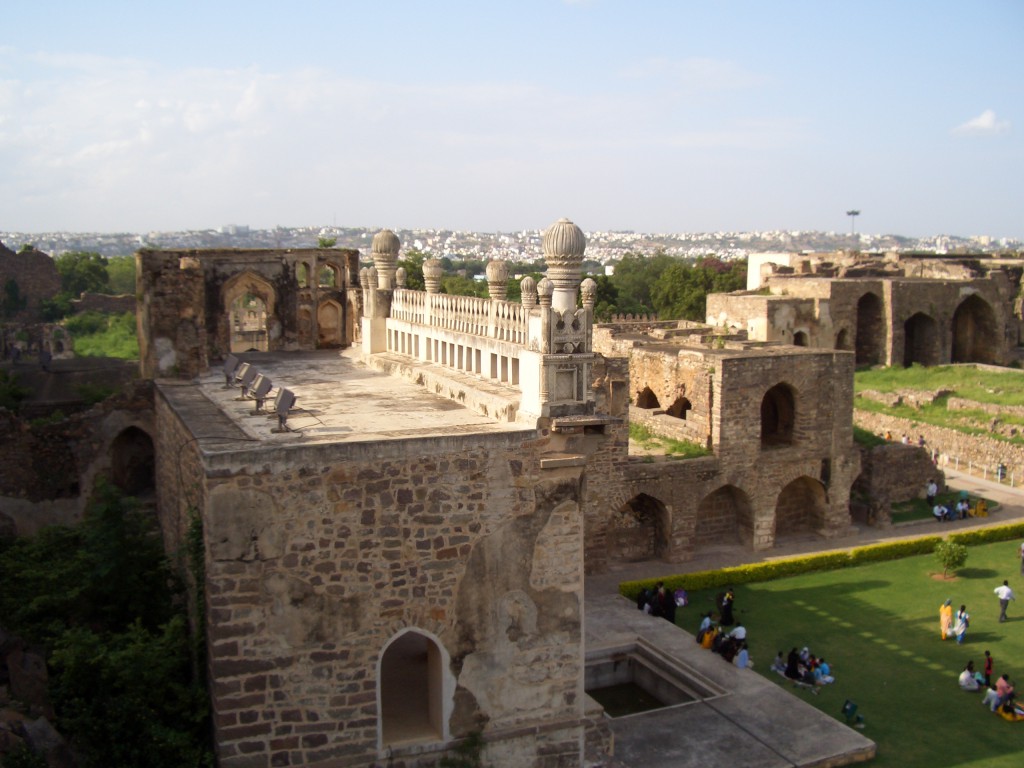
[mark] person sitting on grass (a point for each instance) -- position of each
(968, 681)
(823, 673)
(779, 665)
(743, 660)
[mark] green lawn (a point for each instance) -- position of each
(877, 625)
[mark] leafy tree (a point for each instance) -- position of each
(11, 393)
(56, 308)
(27, 248)
(413, 265)
(82, 271)
(326, 242)
(950, 555)
(456, 285)
(121, 271)
(634, 279)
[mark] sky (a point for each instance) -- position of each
(505, 115)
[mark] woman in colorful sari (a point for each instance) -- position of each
(946, 619)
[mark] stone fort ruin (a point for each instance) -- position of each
(398, 560)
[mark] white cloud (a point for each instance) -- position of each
(985, 124)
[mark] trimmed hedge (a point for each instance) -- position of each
(824, 561)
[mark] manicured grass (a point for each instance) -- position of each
(877, 625)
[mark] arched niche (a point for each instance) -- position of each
(330, 324)
(638, 530)
(870, 338)
(800, 507)
(724, 517)
(328, 276)
(249, 304)
(778, 416)
(132, 463)
(302, 274)
(920, 340)
(843, 340)
(800, 338)
(415, 690)
(976, 337)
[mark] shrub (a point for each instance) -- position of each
(950, 555)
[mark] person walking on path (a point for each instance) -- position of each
(946, 619)
(1005, 595)
(1020, 554)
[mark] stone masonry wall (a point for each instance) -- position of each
(35, 274)
(954, 449)
(317, 557)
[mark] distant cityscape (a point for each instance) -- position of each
(522, 246)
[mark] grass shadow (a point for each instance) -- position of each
(977, 573)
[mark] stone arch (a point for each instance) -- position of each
(414, 689)
(639, 530)
(249, 304)
(647, 399)
(868, 343)
(800, 507)
(843, 340)
(800, 338)
(976, 336)
(329, 324)
(724, 516)
(132, 462)
(328, 276)
(679, 408)
(778, 416)
(920, 340)
(302, 274)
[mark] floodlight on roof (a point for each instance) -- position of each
(231, 364)
(283, 403)
(260, 389)
(245, 379)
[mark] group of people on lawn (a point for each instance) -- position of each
(728, 641)
(999, 697)
(803, 667)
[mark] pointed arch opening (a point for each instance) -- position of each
(328, 276)
(724, 517)
(639, 530)
(800, 507)
(415, 690)
(920, 340)
(976, 335)
(329, 325)
(679, 408)
(778, 416)
(870, 330)
(249, 304)
(647, 399)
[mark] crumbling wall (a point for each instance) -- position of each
(35, 275)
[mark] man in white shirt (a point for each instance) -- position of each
(1005, 595)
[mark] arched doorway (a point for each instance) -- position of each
(800, 338)
(329, 325)
(413, 678)
(724, 517)
(843, 340)
(920, 340)
(132, 466)
(976, 337)
(778, 416)
(638, 530)
(870, 330)
(801, 507)
(249, 306)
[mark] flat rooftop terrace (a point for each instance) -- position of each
(339, 400)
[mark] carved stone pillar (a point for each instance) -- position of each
(385, 256)
(564, 245)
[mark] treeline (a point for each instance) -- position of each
(667, 286)
(82, 271)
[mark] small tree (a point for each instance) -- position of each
(951, 555)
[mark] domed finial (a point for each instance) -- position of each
(588, 291)
(432, 272)
(564, 245)
(497, 280)
(385, 257)
(528, 292)
(400, 277)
